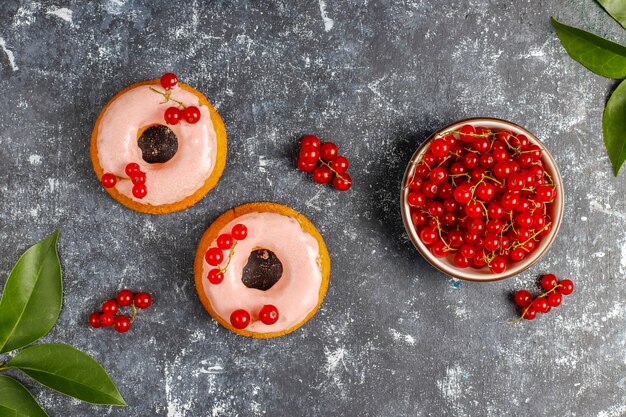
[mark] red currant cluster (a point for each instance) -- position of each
(312, 153)
(240, 319)
(555, 290)
(481, 197)
(174, 114)
(215, 255)
(110, 315)
(135, 174)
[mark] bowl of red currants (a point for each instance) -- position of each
(482, 199)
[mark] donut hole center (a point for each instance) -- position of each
(263, 270)
(158, 144)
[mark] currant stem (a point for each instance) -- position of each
(335, 172)
(230, 256)
(168, 97)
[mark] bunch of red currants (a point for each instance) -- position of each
(552, 297)
(481, 197)
(324, 161)
(135, 175)
(174, 114)
(110, 314)
(215, 255)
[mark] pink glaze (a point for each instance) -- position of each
(175, 179)
(295, 294)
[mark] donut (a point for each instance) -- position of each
(274, 275)
(152, 166)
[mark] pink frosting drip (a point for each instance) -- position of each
(175, 179)
(295, 294)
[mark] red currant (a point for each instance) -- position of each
(554, 299)
(461, 261)
(440, 249)
(132, 168)
(94, 320)
(498, 264)
(239, 232)
(549, 281)
(225, 241)
(340, 164)
(343, 182)
(439, 175)
(309, 154)
(240, 319)
(485, 191)
(122, 324)
(139, 178)
(523, 298)
(142, 300)
(517, 254)
(530, 314)
(306, 166)
(125, 298)
(429, 235)
(106, 319)
(416, 199)
(322, 174)
(310, 140)
(169, 80)
(440, 148)
(463, 194)
(467, 133)
(541, 305)
(215, 276)
(110, 306)
(140, 191)
(172, 115)
(108, 180)
(214, 256)
(544, 193)
(191, 114)
(566, 287)
(329, 151)
(268, 314)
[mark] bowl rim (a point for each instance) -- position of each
(466, 274)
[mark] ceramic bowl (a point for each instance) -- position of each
(484, 274)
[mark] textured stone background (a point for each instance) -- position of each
(394, 336)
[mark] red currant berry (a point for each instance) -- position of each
(455, 237)
(545, 193)
(439, 175)
(440, 148)
(106, 319)
(517, 254)
(466, 133)
(416, 184)
(416, 199)
(457, 168)
(329, 151)
(110, 306)
(240, 319)
(239, 231)
(191, 114)
(480, 145)
(463, 194)
(549, 281)
(502, 170)
(491, 242)
(485, 191)
(498, 264)
(140, 191)
(439, 249)
(524, 220)
(541, 305)
(566, 287)
(554, 299)
(169, 80)
(108, 180)
(122, 324)
(132, 168)
(487, 161)
(445, 190)
(306, 166)
(125, 298)
(214, 256)
(225, 241)
(435, 208)
(172, 115)
(340, 164)
(342, 182)
(421, 171)
(471, 160)
(468, 251)
(418, 218)
(268, 314)
(310, 140)
(461, 261)
(309, 154)
(429, 159)
(500, 154)
(495, 210)
(142, 300)
(322, 174)
(94, 320)
(473, 209)
(215, 276)
(139, 178)
(429, 235)
(530, 314)
(523, 298)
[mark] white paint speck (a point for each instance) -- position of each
(9, 53)
(583, 218)
(62, 13)
(451, 388)
(622, 262)
(401, 337)
(615, 411)
(114, 6)
(598, 255)
(328, 22)
(35, 159)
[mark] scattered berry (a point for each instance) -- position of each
(132, 168)
(108, 180)
(240, 319)
(169, 80)
(172, 115)
(122, 324)
(323, 160)
(191, 114)
(143, 300)
(268, 314)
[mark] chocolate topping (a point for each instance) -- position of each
(158, 144)
(262, 271)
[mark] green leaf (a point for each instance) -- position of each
(69, 371)
(616, 8)
(16, 401)
(614, 127)
(32, 296)
(598, 54)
